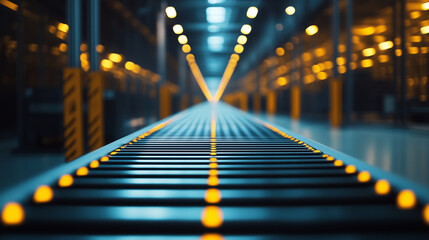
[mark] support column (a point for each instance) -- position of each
(72, 86)
(295, 100)
(161, 38)
(335, 93)
(349, 80)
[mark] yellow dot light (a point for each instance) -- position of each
(242, 39)
(114, 57)
(104, 159)
(246, 29)
(367, 52)
(235, 57)
(212, 217)
(281, 81)
(385, 45)
(311, 30)
(178, 29)
(83, 171)
(238, 48)
(171, 12)
(290, 10)
(406, 199)
(213, 159)
(12, 214)
(426, 214)
(350, 169)
(94, 164)
(329, 158)
(424, 30)
(382, 187)
(63, 27)
(252, 12)
(213, 181)
(213, 165)
(425, 6)
(43, 194)
(338, 163)
(190, 57)
(366, 63)
(182, 39)
(213, 172)
(186, 48)
(211, 236)
(280, 51)
(364, 176)
(106, 64)
(212, 196)
(65, 180)
(129, 66)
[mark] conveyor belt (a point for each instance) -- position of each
(214, 172)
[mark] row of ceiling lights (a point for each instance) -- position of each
(171, 13)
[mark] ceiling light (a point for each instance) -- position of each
(252, 12)
(238, 48)
(290, 10)
(246, 29)
(215, 14)
(171, 12)
(182, 39)
(177, 29)
(242, 39)
(215, 43)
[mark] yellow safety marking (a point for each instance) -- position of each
(95, 111)
(73, 113)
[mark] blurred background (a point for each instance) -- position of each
(76, 75)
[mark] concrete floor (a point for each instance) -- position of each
(401, 151)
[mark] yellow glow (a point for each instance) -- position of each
(281, 81)
(212, 196)
(178, 29)
(342, 48)
(341, 60)
(212, 217)
(398, 52)
(190, 57)
(182, 39)
(171, 12)
(235, 57)
(338, 163)
(329, 65)
(426, 214)
(415, 39)
(211, 236)
(213, 165)
(364, 176)
(252, 12)
(350, 169)
(94, 164)
(246, 29)
(383, 58)
(385, 45)
(290, 10)
(212, 181)
(311, 30)
(238, 48)
(366, 63)
(100, 48)
(65, 180)
(413, 50)
(315, 68)
(242, 39)
(129, 65)
(415, 14)
(82, 171)
(319, 52)
(425, 6)
(186, 48)
(367, 52)
(213, 159)
(306, 56)
(63, 47)
(63, 27)
(342, 69)
(329, 158)
(136, 68)
(12, 214)
(382, 187)
(104, 159)
(424, 30)
(406, 199)
(43, 194)
(365, 31)
(200, 80)
(322, 75)
(280, 51)
(114, 57)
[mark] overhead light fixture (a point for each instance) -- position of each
(171, 12)
(182, 39)
(290, 10)
(213, 28)
(215, 14)
(252, 12)
(246, 29)
(311, 30)
(114, 57)
(238, 48)
(242, 39)
(177, 29)
(215, 1)
(186, 48)
(215, 43)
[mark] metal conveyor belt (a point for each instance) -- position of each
(214, 172)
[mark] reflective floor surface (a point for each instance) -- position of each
(398, 150)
